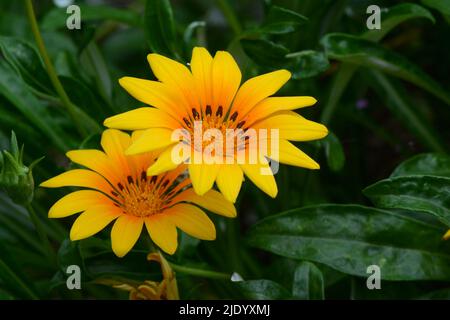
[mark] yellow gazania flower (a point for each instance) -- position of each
(119, 189)
(211, 92)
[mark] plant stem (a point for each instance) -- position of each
(200, 272)
(42, 234)
(230, 16)
(51, 70)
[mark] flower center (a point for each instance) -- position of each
(143, 196)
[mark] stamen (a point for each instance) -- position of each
(153, 179)
(208, 110)
(240, 124)
(234, 116)
(130, 179)
(219, 112)
(195, 114)
(144, 176)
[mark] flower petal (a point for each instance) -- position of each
(274, 104)
(176, 75)
(165, 162)
(265, 182)
(163, 232)
(125, 233)
(141, 118)
(211, 200)
(229, 181)
(203, 176)
(258, 88)
(115, 142)
(201, 70)
(78, 178)
(151, 140)
(92, 221)
(226, 78)
(293, 126)
(192, 220)
(287, 153)
(76, 202)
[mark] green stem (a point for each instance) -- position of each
(42, 234)
(200, 272)
(230, 16)
(51, 70)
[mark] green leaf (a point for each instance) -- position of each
(351, 49)
(14, 89)
(160, 27)
(26, 61)
(443, 6)
(307, 64)
(308, 282)
(349, 238)
(432, 164)
(392, 17)
(264, 52)
(56, 18)
(334, 152)
(262, 290)
(416, 193)
(280, 21)
(406, 111)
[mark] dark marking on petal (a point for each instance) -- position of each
(115, 194)
(130, 179)
(219, 112)
(234, 116)
(120, 186)
(153, 179)
(195, 114)
(240, 124)
(187, 122)
(165, 183)
(144, 176)
(208, 110)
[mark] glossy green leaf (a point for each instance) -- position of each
(416, 193)
(443, 6)
(351, 49)
(56, 18)
(160, 27)
(334, 152)
(281, 20)
(349, 238)
(406, 111)
(265, 52)
(308, 282)
(393, 16)
(26, 61)
(262, 290)
(307, 64)
(432, 164)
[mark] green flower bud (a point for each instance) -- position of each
(16, 179)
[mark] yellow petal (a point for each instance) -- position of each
(78, 178)
(274, 104)
(229, 181)
(163, 232)
(176, 75)
(203, 176)
(192, 220)
(446, 235)
(211, 200)
(165, 162)
(125, 233)
(95, 160)
(141, 118)
(156, 94)
(265, 182)
(293, 126)
(201, 70)
(258, 88)
(76, 202)
(226, 78)
(114, 143)
(92, 221)
(287, 153)
(151, 140)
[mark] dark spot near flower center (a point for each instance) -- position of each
(219, 111)
(208, 110)
(116, 204)
(195, 114)
(153, 179)
(234, 116)
(143, 176)
(165, 183)
(188, 123)
(130, 179)
(240, 124)
(120, 186)
(115, 194)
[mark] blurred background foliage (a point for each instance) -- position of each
(384, 94)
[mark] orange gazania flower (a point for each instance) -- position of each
(119, 189)
(211, 92)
